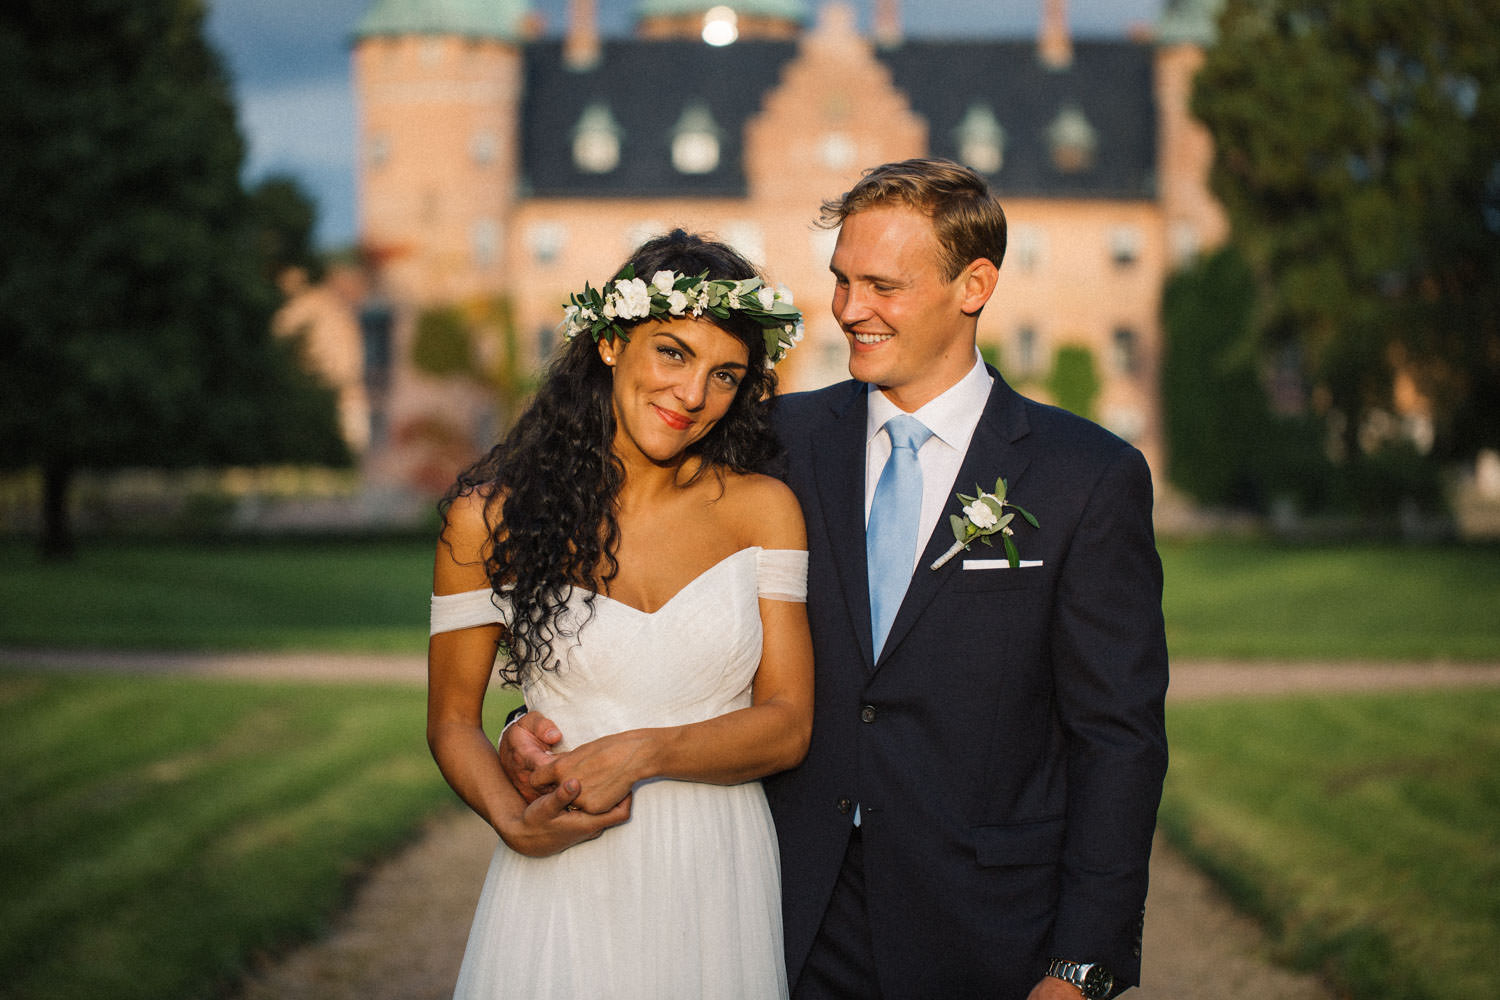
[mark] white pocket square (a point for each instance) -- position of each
(1000, 564)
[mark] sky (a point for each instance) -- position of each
(289, 62)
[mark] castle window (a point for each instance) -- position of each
(1072, 139)
(596, 140)
(1027, 245)
(981, 140)
(1124, 245)
(1028, 352)
(837, 150)
(486, 239)
(695, 141)
(1125, 351)
(483, 148)
(1185, 243)
(546, 240)
(720, 26)
(747, 238)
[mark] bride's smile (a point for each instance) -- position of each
(673, 381)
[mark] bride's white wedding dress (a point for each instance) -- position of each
(683, 900)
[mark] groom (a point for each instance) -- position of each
(974, 816)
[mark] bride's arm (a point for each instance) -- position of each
(769, 736)
(459, 665)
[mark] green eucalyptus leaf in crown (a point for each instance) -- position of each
(601, 313)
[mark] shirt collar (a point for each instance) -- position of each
(951, 417)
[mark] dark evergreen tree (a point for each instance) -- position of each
(134, 291)
(1358, 157)
(1224, 445)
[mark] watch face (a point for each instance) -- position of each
(1097, 982)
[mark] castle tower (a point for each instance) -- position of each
(438, 86)
(1195, 221)
(720, 22)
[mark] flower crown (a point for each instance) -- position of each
(600, 313)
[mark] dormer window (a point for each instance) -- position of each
(981, 140)
(1073, 140)
(695, 141)
(596, 140)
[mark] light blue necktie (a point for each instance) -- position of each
(891, 536)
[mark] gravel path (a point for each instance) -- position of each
(402, 936)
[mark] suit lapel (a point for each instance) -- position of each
(839, 472)
(993, 452)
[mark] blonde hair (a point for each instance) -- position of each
(966, 218)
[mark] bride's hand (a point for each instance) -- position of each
(606, 769)
(554, 823)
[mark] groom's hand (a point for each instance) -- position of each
(1051, 988)
(525, 746)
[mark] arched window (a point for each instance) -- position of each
(695, 141)
(981, 140)
(1125, 351)
(1072, 139)
(596, 140)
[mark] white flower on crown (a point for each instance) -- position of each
(766, 297)
(783, 294)
(663, 281)
(677, 302)
(632, 299)
(610, 310)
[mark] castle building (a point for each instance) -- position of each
(500, 168)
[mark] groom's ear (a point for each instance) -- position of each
(980, 277)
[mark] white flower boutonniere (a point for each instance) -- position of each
(985, 515)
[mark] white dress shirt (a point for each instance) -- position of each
(952, 418)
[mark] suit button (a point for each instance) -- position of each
(867, 713)
(846, 806)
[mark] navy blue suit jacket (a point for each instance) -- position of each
(1008, 749)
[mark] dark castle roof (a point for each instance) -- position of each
(648, 84)
(1111, 83)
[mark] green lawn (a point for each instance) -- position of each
(355, 595)
(159, 831)
(1361, 829)
(1258, 600)
(1231, 599)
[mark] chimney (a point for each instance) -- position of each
(1055, 46)
(581, 46)
(887, 23)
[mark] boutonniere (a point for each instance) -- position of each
(985, 515)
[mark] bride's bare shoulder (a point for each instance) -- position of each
(765, 511)
(469, 526)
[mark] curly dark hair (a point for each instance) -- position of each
(556, 479)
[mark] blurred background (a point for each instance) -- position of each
(272, 273)
(1258, 242)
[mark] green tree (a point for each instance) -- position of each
(286, 217)
(1224, 445)
(1358, 158)
(1074, 381)
(134, 296)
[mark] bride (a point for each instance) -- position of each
(646, 590)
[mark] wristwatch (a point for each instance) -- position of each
(1094, 980)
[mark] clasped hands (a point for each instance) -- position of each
(573, 796)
